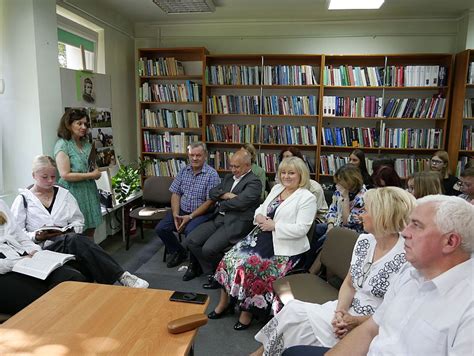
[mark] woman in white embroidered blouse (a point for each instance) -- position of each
(376, 258)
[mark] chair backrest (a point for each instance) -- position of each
(310, 233)
(156, 190)
(336, 252)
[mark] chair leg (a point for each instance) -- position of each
(165, 251)
(141, 229)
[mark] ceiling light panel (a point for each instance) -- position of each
(185, 6)
(355, 4)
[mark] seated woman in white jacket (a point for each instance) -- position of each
(46, 204)
(377, 258)
(19, 290)
(271, 250)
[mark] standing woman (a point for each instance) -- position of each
(72, 152)
(271, 250)
(440, 163)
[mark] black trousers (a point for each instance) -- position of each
(19, 290)
(91, 260)
(305, 351)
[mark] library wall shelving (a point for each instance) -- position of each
(271, 101)
(461, 130)
(170, 105)
(326, 105)
(390, 105)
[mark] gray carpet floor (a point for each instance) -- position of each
(145, 258)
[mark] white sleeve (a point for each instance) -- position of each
(306, 210)
(19, 212)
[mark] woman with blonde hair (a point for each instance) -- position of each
(424, 183)
(440, 163)
(273, 248)
(376, 259)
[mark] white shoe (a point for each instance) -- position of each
(130, 280)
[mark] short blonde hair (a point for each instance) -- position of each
(42, 161)
(3, 218)
(390, 208)
(299, 165)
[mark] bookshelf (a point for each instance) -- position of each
(271, 101)
(461, 135)
(394, 105)
(170, 105)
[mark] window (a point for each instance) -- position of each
(71, 48)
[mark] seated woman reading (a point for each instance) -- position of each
(376, 259)
(19, 290)
(271, 250)
(46, 204)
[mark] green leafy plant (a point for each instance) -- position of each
(127, 180)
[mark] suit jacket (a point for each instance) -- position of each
(293, 219)
(238, 211)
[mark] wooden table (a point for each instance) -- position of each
(94, 319)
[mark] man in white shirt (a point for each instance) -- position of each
(429, 309)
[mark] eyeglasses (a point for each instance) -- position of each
(436, 162)
(365, 273)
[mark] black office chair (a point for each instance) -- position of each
(156, 194)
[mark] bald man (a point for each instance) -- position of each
(236, 199)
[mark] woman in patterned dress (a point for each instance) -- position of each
(377, 257)
(271, 250)
(72, 152)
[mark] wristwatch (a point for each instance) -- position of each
(190, 216)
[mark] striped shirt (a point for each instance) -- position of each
(194, 188)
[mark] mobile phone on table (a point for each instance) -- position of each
(188, 297)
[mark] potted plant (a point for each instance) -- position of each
(127, 180)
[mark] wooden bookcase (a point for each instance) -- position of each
(460, 120)
(377, 121)
(283, 97)
(237, 91)
(175, 92)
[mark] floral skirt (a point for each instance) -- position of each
(248, 270)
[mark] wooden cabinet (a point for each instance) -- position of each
(460, 147)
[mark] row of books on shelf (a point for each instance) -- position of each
(405, 167)
(170, 118)
(267, 134)
(252, 75)
(470, 73)
(390, 76)
(371, 106)
(160, 67)
(462, 164)
(272, 105)
(467, 138)
(167, 143)
(468, 110)
(183, 92)
(383, 137)
(167, 168)
(220, 160)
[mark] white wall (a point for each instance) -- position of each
(30, 106)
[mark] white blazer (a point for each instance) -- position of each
(65, 212)
(293, 219)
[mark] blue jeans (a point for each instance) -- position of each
(166, 229)
(305, 351)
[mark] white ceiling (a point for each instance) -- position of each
(268, 10)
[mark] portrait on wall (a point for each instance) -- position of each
(85, 86)
(106, 157)
(103, 137)
(100, 117)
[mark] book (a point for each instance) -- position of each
(151, 211)
(42, 263)
(56, 228)
(92, 159)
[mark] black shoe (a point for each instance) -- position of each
(192, 272)
(228, 310)
(213, 284)
(239, 326)
(177, 258)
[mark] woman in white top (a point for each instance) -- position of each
(19, 290)
(271, 250)
(46, 204)
(376, 259)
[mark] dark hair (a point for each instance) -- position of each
(67, 119)
(386, 176)
(350, 177)
(379, 162)
(294, 151)
(362, 166)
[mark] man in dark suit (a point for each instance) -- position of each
(236, 199)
